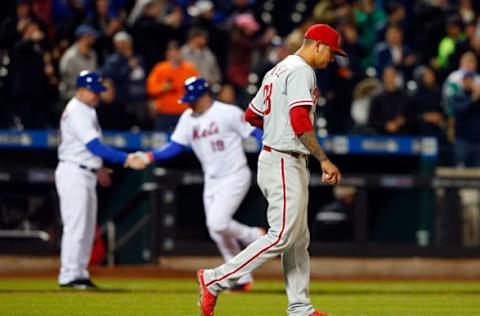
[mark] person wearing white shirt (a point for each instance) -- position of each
(81, 154)
(215, 131)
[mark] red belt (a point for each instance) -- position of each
(291, 153)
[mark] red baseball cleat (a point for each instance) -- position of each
(207, 299)
(315, 313)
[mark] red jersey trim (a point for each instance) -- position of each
(255, 109)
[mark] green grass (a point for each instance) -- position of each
(178, 297)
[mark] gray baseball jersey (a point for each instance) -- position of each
(289, 84)
(283, 180)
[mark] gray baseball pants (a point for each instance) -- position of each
(283, 181)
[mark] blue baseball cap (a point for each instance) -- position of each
(194, 89)
(85, 29)
(91, 81)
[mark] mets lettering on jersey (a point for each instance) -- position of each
(272, 102)
(215, 137)
(211, 130)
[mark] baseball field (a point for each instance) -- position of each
(41, 296)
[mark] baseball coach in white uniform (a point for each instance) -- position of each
(215, 131)
(80, 154)
(284, 107)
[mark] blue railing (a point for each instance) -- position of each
(424, 147)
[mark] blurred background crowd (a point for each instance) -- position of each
(412, 68)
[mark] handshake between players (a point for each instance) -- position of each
(138, 160)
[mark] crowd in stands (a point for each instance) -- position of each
(412, 68)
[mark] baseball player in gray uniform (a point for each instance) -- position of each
(80, 154)
(284, 107)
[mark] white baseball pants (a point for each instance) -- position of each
(283, 180)
(76, 189)
(222, 197)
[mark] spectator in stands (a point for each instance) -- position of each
(454, 81)
(470, 43)
(106, 25)
(427, 20)
(394, 52)
(239, 43)
(204, 16)
(165, 85)
(128, 73)
(396, 15)
(80, 56)
(12, 27)
(150, 34)
(67, 15)
(466, 11)
(363, 93)
(388, 111)
(427, 113)
(369, 20)
(465, 104)
(111, 112)
(352, 46)
(449, 42)
(460, 97)
(174, 20)
(338, 88)
(197, 52)
(32, 91)
(243, 44)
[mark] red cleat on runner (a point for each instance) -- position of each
(207, 299)
(315, 313)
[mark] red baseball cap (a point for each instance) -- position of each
(325, 35)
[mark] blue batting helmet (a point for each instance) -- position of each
(91, 81)
(194, 89)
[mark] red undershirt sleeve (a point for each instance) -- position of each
(253, 118)
(300, 120)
